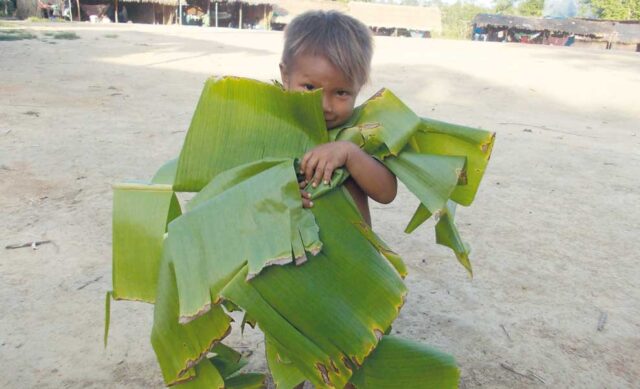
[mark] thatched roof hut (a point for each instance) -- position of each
(374, 15)
(152, 11)
(626, 32)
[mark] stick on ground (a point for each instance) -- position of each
(30, 244)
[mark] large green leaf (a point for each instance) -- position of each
(269, 227)
(431, 178)
(446, 232)
(399, 363)
(362, 293)
(322, 320)
(361, 296)
(284, 371)
(239, 121)
(205, 376)
(141, 213)
(180, 347)
(227, 360)
(440, 138)
(246, 381)
(167, 173)
(385, 125)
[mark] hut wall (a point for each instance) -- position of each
(254, 15)
(150, 13)
(140, 12)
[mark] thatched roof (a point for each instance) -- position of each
(609, 30)
(285, 10)
(371, 14)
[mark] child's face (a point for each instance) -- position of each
(309, 72)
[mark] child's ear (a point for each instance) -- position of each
(283, 75)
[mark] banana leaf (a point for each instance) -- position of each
(227, 360)
(319, 283)
(245, 381)
(285, 373)
(439, 162)
(239, 121)
(348, 313)
(180, 347)
(440, 138)
(141, 213)
(398, 363)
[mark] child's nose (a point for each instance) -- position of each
(326, 104)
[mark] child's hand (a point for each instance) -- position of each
(306, 196)
(318, 164)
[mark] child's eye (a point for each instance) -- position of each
(343, 93)
(308, 87)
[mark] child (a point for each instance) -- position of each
(332, 51)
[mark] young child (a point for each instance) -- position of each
(332, 51)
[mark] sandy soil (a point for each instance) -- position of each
(554, 227)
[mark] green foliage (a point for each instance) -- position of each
(457, 17)
(530, 7)
(615, 9)
(242, 239)
(506, 7)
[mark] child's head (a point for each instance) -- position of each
(327, 50)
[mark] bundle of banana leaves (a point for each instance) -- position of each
(319, 283)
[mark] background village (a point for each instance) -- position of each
(590, 23)
(554, 301)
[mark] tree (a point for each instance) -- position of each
(615, 9)
(530, 7)
(457, 17)
(506, 7)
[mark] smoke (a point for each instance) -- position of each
(560, 8)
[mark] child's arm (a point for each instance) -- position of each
(371, 176)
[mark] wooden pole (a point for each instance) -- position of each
(216, 14)
(209, 13)
(240, 18)
(180, 11)
(154, 13)
(116, 11)
(264, 15)
(78, 4)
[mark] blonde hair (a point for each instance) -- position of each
(344, 41)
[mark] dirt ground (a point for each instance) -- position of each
(554, 228)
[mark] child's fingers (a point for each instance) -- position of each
(303, 162)
(318, 174)
(302, 184)
(310, 167)
(328, 172)
(306, 199)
